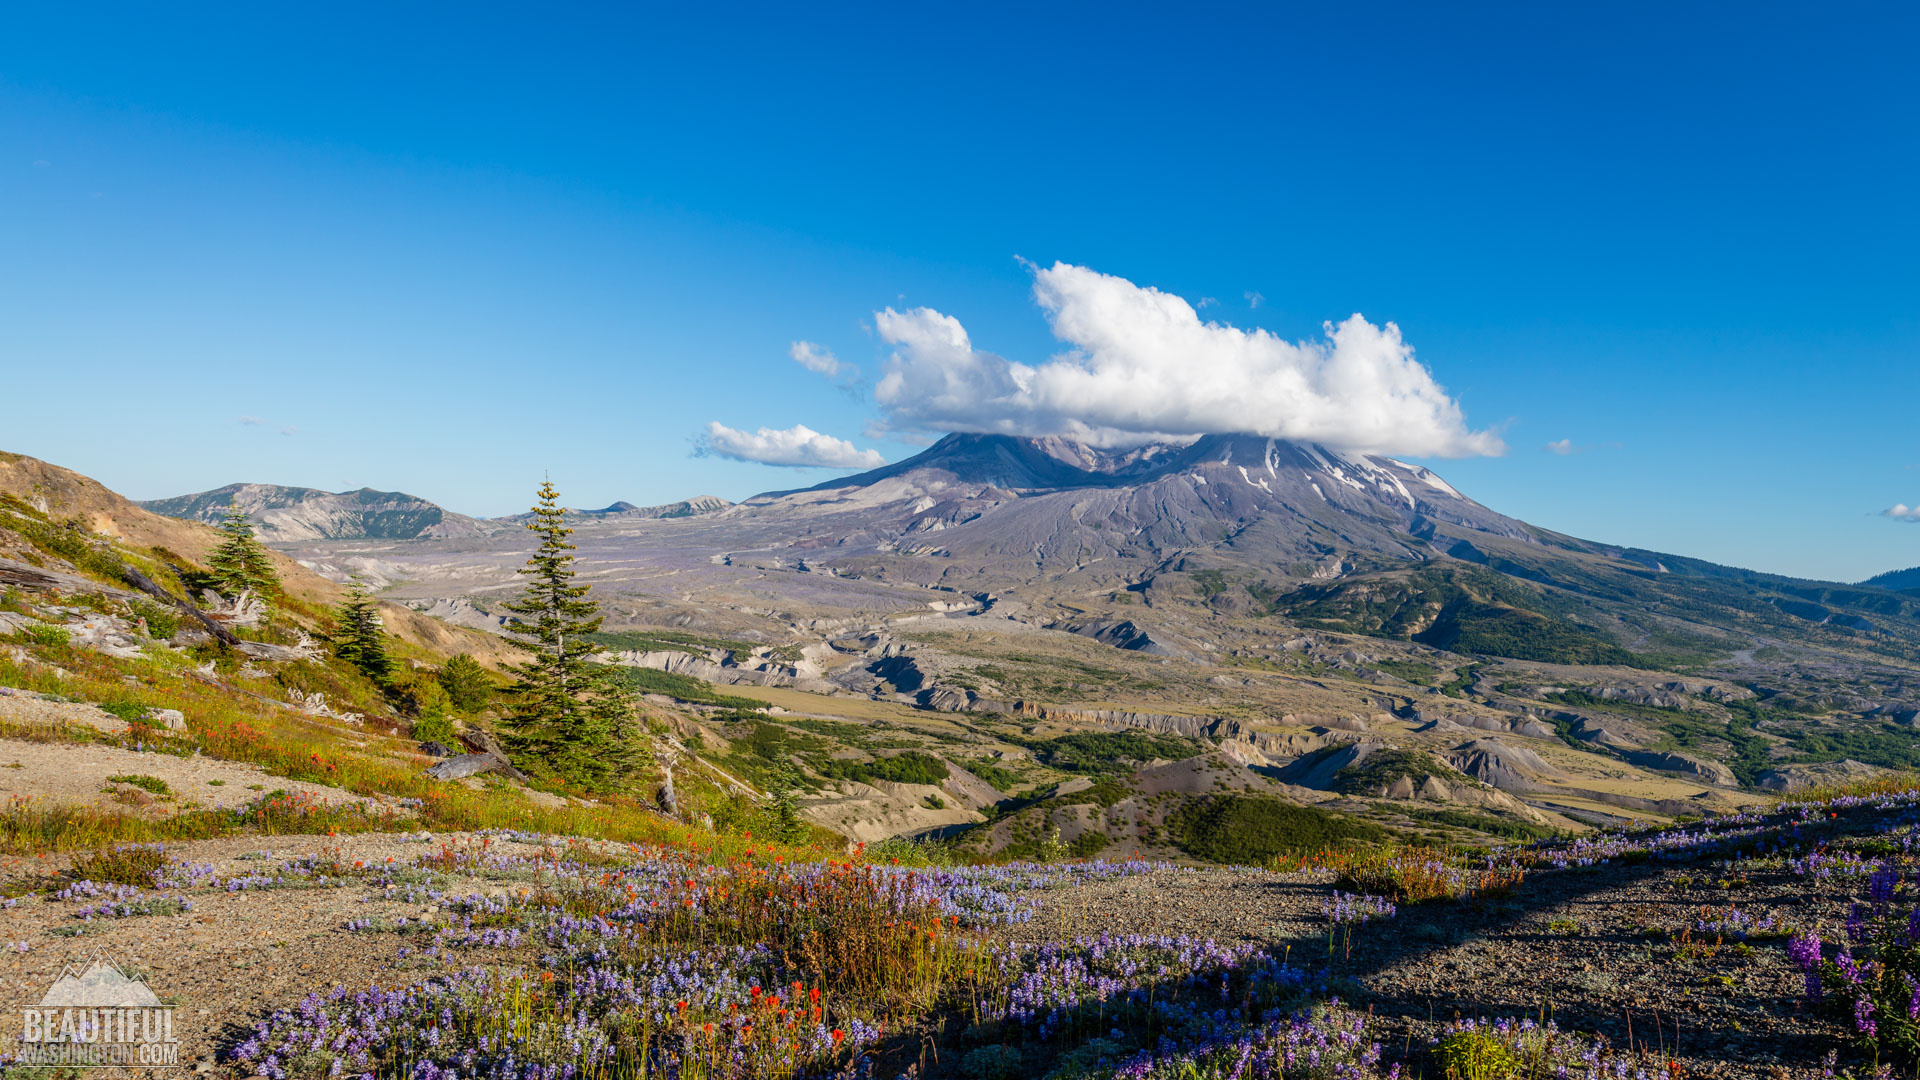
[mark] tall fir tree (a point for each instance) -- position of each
(240, 563)
(576, 721)
(358, 636)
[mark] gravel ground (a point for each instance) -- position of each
(1573, 944)
(1570, 944)
(31, 710)
(237, 956)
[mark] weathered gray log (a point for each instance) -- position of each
(146, 585)
(482, 742)
(455, 768)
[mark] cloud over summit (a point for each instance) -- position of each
(799, 446)
(1142, 365)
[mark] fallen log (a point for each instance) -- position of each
(455, 768)
(146, 585)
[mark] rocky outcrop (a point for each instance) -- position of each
(1526, 725)
(1125, 634)
(1795, 778)
(726, 669)
(1509, 768)
(1698, 768)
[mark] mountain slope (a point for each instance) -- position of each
(1003, 509)
(625, 511)
(1270, 528)
(1898, 580)
(283, 514)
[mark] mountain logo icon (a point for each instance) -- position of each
(101, 985)
(98, 1016)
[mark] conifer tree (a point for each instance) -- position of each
(358, 637)
(575, 720)
(782, 813)
(241, 563)
(465, 682)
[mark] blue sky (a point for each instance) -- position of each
(447, 249)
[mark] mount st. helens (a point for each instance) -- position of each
(1260, 603)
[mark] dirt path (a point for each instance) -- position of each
(78, 775)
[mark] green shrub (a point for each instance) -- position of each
(127, 864)
(911, 767)
(1250, 829)
(1475, 1055)
(1108, 752)
(436, 727)
(141, 780)
(162, 622)
(132, 712)
(914, 851)
(53, 636)
(466, 683)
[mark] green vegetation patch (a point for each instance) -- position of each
(1250, 829)
(911, 767)
(1100, 752)
(680, 641)
(1461, 609)
(1409, 670)
(1105, 792)
(682, 687)
(140, 780)
(1384, 767)
(1505, 828)
(1001, 777)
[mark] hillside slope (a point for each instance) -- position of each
(64, 494)
(281, 514)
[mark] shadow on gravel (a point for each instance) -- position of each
(1579, 979)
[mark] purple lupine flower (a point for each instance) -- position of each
(1804, 951)
(1882, 886)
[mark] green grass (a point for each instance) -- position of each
(1409, 670)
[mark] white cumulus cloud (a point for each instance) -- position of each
(820, 360)
(799, 446)
(1142, 365)
(1902, 512)
(1562, 447)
